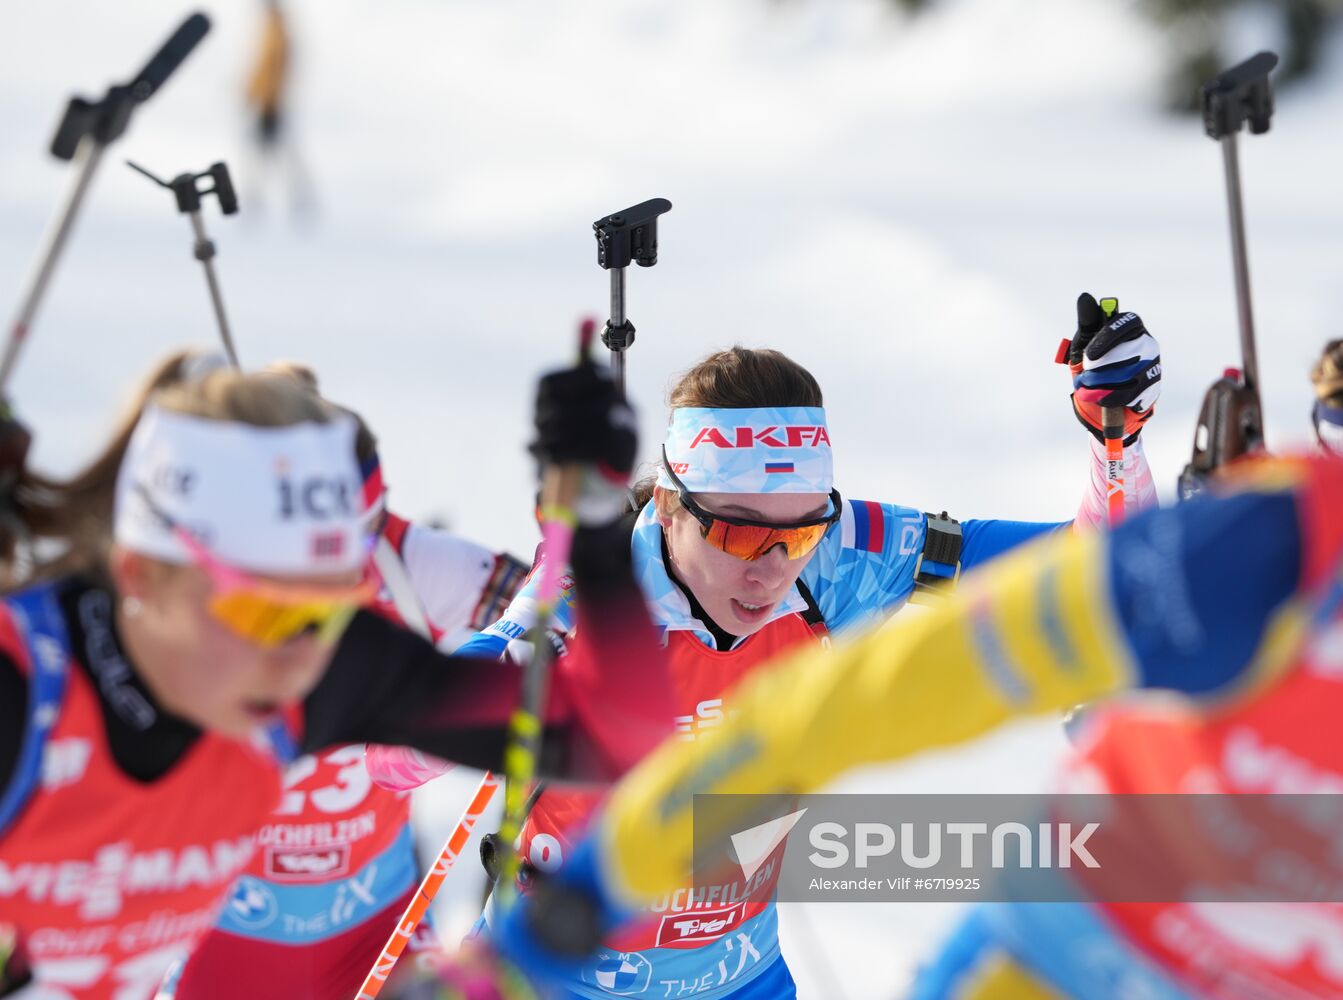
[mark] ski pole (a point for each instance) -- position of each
(1240, 95)
(188, 192)
(559, 488)
(622, 237)
(424, 895)
(1112, 422)
(86, 129)
(1112, 427)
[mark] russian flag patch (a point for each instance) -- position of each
(869, 525)
(778, 466)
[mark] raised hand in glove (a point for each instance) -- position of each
(582, 420)
(1115, 362)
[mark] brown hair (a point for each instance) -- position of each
(74, 516)
(1327, 374)
(737, 378)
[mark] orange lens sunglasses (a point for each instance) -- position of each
(270, 614)
(749, 540)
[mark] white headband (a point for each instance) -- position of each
(772, 449)
(279, 500)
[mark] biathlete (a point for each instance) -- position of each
(335, 866)
(200, 626)
(744, 549)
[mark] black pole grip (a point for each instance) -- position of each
(80, 118)
(1238, 95)
(223, 189)
(166, 60)
(630, 236)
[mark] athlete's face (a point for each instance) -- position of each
(739, 595)
(197, 667)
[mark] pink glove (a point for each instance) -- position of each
(399, 769)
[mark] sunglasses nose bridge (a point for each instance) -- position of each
(770, 566)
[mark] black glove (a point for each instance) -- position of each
(1115, 362)
(582, 420)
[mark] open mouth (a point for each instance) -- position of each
(752, 613)
(262, 710)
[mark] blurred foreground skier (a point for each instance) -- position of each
(198, 627)
(336, 865)
(1281, 743)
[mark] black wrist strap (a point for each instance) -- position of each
(939, 564)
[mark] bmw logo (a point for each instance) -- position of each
(253, 904)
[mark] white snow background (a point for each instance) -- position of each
(908, 207)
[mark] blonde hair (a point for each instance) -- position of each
(65, 525)
(365, 441)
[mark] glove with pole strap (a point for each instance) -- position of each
(582, 419)
(1115, 362)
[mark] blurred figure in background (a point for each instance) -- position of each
(268, 99)
(1327, 414)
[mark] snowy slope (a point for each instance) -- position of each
(909, 208)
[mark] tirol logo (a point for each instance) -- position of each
(698, 926)
(307, 864)
(791, 436)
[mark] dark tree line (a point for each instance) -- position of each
(1196, 30)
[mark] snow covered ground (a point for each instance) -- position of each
(908, 207)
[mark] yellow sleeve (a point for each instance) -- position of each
(1029, 633)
